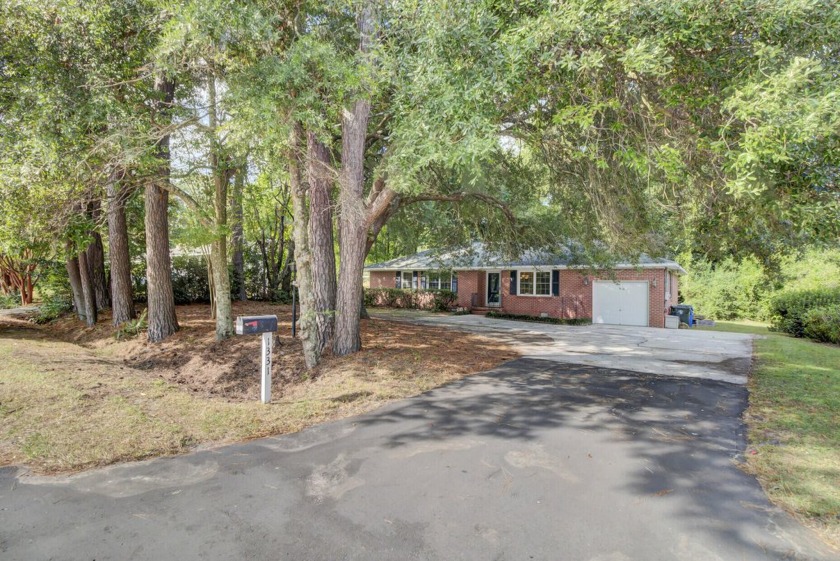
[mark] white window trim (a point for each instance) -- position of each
(409, 274)
(534, 294)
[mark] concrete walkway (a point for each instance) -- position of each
(710, 355)
(536, 460)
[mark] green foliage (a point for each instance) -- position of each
(9, 301)
(731, 289)
(823, 324)
(435, 300)
(53, 307)
(132, 328)
(52, 280)
(538, 319)
(444, 300)
(189, 280)
(788, 310)
(728, 290)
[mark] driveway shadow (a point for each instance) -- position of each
(667, 438)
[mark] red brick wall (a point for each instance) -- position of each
(382, 279)
(656, 295)
(675, 289)
(575, 299)
(468, 283)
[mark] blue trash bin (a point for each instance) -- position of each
(685, 312)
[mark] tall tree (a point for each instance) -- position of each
(237, 237)
(122, 295)
(303, 263)
(161, 298)
(96, 258)
(88, 291)
(321, 245)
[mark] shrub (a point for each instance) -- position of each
(189, 280)
(9, 301)
(132, 328)
(436, 300)
(729, 289)
(443, 300)
(406, 299)
(823, 324)
(539, 319)
(53, 308)
(788, 309)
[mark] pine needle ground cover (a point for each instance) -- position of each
(73, 398)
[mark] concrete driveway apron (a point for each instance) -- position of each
(709, 355)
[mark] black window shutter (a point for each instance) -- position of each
(397, 280)
(416, 283)
(555, 282)
(513, 283)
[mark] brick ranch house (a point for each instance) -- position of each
(538, 283)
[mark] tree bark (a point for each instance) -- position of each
(353, 216)
(218, 248)
(353, 230)
(122, 295)
(88, 291)
(73, 274)
(161, 300)
(237, 235)
(321, 246)
(96, 260)
(308, 328)
(286, 273)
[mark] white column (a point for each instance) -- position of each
(265, 371)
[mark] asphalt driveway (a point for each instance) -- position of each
(710, 355)
(535, 460)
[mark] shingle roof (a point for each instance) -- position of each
(477, 256)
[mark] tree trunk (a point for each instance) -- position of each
(353, 230)
(221, 288)
(353, 212)
(286, 273)
(161, 300)
(211, 287)
(237, 235)
(73, 274)
(96, 260)
(308, 328)
(321, 246)
(218, 248)
(88, 292)
(122, 296)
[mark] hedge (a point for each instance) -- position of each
(823, 324)
(789, 310)
(558, 321)
(435, 300)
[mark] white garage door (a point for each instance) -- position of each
(622, 303)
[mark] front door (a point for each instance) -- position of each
(494, 290)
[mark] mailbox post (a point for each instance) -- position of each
(267, 326)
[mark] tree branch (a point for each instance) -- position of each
(458, 197)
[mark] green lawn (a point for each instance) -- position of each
(794, 424)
